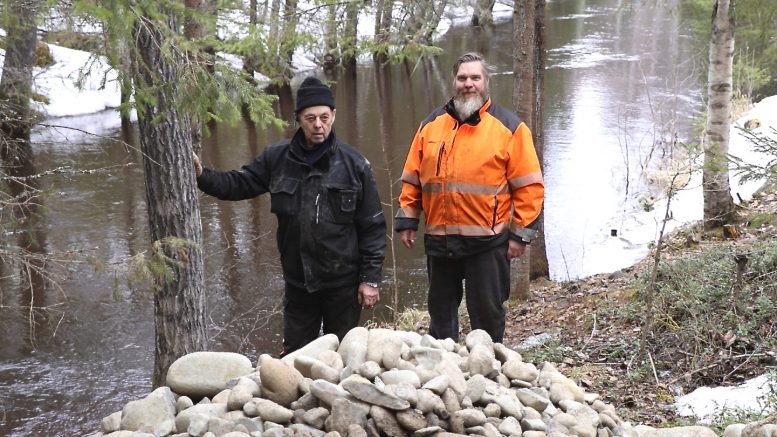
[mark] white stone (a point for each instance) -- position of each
(111, 423)
(505, 354)
(332, 359)
(374, 340)
(201, 374)
(438, 384)
(209, 410)
(313, 349)
(532, 399)
(479, 337)
(426, 357)
(353, 348)
(150, 411)
(400, 377)
(269, 410)
(510, 427)
(327, 392)
(481, 360)
(517, 369)
(449, 367)
(245, 390)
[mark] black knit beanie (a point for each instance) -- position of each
(314, 93)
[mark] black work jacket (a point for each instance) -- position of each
(331, 227)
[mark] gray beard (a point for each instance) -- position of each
(465, 107)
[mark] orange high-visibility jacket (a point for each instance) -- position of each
(477, 178)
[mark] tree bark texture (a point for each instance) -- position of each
(289, 43)
(383, 23)
(350, 35)
(528, 70)
(718, 204)
(331, 37)
(538, 263)
(194, 30)
(171, 193)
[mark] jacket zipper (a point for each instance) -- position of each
(317, 209)
(493, 219)
(439, 157)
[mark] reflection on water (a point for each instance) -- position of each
(613, 73)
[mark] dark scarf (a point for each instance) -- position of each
(314, 154)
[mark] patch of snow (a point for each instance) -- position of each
(78, 83)
(765, 112)
(536, 340)
(707, 404)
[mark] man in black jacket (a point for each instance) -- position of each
(331, 229)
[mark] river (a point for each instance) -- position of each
(78, 337)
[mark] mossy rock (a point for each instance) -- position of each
(43, 56)
(38, 97)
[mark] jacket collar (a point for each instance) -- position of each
(473, 119)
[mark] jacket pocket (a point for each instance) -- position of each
(342, 203)
(283, 199)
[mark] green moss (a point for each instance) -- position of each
(43, 56)
(760, 219)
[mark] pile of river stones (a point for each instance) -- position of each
(378, 382)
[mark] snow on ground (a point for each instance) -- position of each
(708, 403)
(98, 90)
(78, 83)
(765, 112)
(643, 227)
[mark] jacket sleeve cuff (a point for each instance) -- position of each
(374, 279)
(523, 235)
(203, 180)
(400, 224)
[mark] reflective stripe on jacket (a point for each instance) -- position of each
(479, 178)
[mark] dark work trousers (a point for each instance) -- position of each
(303, 313)
(487, 279)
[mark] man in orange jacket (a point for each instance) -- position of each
(473, 170)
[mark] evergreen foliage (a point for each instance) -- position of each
(208, 87)
(761, 144)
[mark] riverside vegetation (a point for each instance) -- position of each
(714, 320)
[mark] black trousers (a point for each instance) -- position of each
(304, 313)
(487, 279)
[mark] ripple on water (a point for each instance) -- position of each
(47, 395)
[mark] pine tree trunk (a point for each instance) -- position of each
(718, 204)
(172, 197)
(538, 262)
(194, 30)
(383, 23)
(528, 68)
(331, 39)
(350, 34)
(289, 43)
